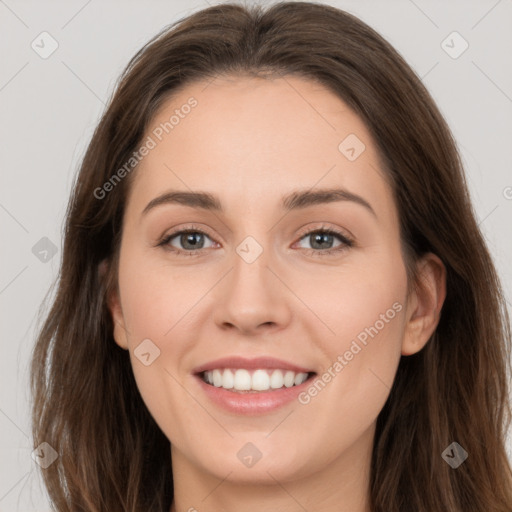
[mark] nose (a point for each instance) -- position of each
(253, 297)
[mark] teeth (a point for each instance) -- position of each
(242, 380)
(217, 378)
(259, 380)
(276, 380)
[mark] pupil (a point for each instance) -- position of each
(189, 238)
(321, 236)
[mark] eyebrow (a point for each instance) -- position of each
(295, 200)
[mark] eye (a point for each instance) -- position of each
(319, 238)
(190, 241)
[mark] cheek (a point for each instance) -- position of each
(157, 310)
(158, 299)
(356, 299)
(362, 312)
(160, 304)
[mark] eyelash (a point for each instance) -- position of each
(346, 241)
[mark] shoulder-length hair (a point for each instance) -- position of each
(86, 405)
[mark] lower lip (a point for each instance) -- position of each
(250, 404)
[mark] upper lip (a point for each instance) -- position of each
(253, 363)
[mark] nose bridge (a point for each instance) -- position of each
(251, 263)
(252, 294)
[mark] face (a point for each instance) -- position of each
(296, 284)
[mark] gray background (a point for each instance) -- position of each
(49, 108)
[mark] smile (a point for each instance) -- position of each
(253, 381)
(254, 386)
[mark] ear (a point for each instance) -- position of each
(424, 304)
(114, 306)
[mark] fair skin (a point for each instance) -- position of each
(250, 141)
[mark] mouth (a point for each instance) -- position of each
(252, 386)
(260, 380)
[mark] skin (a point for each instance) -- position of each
(250, 141)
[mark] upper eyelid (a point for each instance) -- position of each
(326, 227)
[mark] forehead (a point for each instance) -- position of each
(252, 140)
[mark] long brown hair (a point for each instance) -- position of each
(86, 405)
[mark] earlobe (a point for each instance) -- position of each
(116, 312)
(424, 304)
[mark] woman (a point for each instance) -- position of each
(199, 357)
